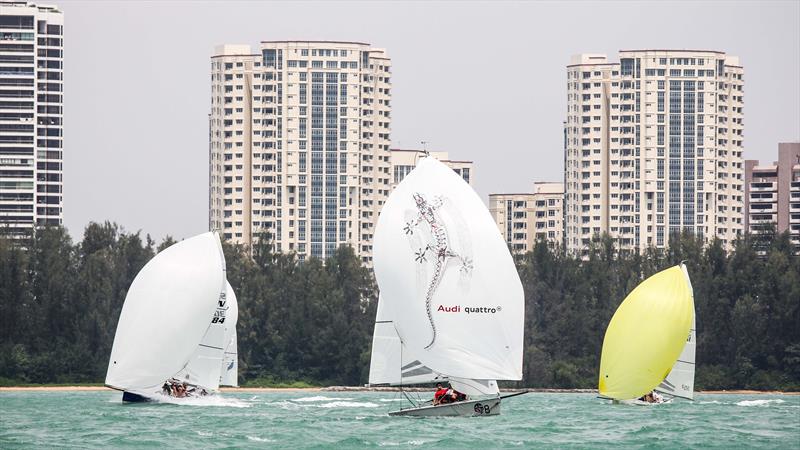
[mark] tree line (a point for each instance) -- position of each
(312, 321)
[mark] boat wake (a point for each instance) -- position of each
(210, 400)
(759, 402)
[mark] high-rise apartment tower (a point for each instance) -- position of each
(299, 144)
(653, 146)
(31, 74)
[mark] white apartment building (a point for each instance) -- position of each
(653, 146)
(526, 218)
(31, 74)
(299, 144)
(403, 161)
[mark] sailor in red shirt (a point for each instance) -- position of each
(440, 393)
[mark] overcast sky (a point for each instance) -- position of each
(483, 81)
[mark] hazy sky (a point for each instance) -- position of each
(483, 81)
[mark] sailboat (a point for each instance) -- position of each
(172, 324)
(451, 304)
(650, 342)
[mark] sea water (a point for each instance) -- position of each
(301, 419)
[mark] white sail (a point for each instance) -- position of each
(680, 381)
(167, 312)
(475, 388)
(203, 368)
(230, 361)
(449, 283)
(388, 366)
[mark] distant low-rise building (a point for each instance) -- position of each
(525, 218)
(403, 161)
(772, 199)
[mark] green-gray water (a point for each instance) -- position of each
(346, 419)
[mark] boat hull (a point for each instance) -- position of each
(130, 397)
(471, 408)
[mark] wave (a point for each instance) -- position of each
(759, 402)
(348, 405)
(414, 443)
(391, 400)
(319, 398)
(286, 404)
(258, 439)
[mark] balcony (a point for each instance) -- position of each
(764, 186)
(763, 208)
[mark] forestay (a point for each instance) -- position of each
(448, 283)
(166, 313)
(230, 361)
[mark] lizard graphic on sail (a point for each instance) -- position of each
(439, 246)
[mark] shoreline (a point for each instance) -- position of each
(362, 389)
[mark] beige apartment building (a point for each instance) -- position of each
(31, 117)
(653, 146)
(772, 193)
(403, 161)
(526, 218)
(299, 144)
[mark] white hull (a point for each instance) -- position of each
(486, 407)
(637, 402)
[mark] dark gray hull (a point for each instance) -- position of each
(471, 408)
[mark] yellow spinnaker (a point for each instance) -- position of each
(646, 335)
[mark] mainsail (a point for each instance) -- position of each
(230, 361)
(389, 364)
(647, 335)
(203, 368)
(450, 293)
(167, 312)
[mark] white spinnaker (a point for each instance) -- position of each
(389, 365)
(477, 302)
(166, 313)
(230, 362)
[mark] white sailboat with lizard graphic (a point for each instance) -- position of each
(452, 305)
